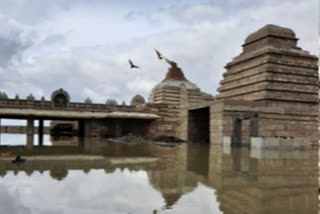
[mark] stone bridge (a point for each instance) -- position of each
(91, 117)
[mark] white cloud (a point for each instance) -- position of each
(94, 96)
(10, 202)
(92, 59)
(200, 200)
(140, 85)
(123, 192)
(12, 43)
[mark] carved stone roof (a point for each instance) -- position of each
(271, 30)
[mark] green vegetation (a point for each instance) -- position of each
(131, 138)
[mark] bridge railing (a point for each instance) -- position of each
(72, 106)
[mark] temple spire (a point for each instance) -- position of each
(174, 72)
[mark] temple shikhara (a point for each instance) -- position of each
(268, 98)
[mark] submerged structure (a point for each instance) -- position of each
(269, 93)
(268, 97)
(275, 85)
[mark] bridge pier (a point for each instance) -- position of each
(30, 132)
(81, 130)
(118, 128)
(0, 131)
(40, 132)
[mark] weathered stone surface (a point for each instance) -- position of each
(174, 73)
(270, 31)
(177, 93)
(279, 82)
(137, 100)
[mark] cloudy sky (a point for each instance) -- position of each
(84, 46)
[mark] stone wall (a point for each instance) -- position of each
(170, 99)
(282, 121)
(167, 123)
(170, 104)
(247, 182)
(116, 127)
(275, 79)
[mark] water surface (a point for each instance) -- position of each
(101, 177)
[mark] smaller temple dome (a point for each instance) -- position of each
(137, 100)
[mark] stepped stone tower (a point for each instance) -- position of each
(170, 97)
(175, 89)
(272, 67)
(276, 82)
(268, 97)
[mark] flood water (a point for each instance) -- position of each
(101, 177)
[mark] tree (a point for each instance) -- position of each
(3, 95)
(88, 100)
(111, 102)
(30, 97)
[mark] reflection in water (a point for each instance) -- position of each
(100, 177)
(20, 139)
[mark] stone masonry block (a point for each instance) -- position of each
(271, 142)
(257, 142)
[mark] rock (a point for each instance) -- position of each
(18, 160)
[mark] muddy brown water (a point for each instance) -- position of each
(101, 177)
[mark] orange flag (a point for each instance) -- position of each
(158, 54)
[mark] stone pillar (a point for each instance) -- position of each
(0, 131)
(88, 128)
(118, 128)
(30, 132)
(40, 132)
(236, 132)
(81, 131)
(254, 127)
(236, 160)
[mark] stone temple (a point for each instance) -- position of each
(269, 92)
(170, 97)
(175, 89)
(268, 98)
(268, 95)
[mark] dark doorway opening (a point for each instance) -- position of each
(241, 134)
(199, 125)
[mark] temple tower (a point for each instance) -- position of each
(170, 98)
(175, 89)
(272, 68)
(277, 81)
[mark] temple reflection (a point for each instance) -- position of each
(245, 181)
(265, 181)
